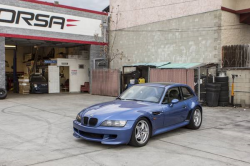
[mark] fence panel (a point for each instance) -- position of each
(105, 82)
(173, 75)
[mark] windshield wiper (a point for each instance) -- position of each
(118, 98)
(134, 99)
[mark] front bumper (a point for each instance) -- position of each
(39, 90)
(105, 135)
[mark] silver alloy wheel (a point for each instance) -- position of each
(197, 117)
(141, 132)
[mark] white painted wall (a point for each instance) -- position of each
(236, 4)
(130, 13)
(81, 74)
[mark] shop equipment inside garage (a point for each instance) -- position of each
(47, 47)
(25, 58)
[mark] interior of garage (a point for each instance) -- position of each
(25, 59)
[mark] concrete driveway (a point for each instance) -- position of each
(37, 130)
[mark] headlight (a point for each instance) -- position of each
(114, 123)
(35, 85)
(78, 118)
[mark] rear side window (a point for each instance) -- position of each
(187, 93)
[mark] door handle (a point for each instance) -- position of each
(184, 106)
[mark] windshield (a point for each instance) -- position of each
(38, 79)
(143, 93)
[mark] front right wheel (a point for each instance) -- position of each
(141, 133)
(196, 119)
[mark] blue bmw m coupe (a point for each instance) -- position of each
(142, 111)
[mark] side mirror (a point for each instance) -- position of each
(174, 101)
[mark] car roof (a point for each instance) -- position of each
(162, 84)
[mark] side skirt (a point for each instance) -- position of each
(163, 130)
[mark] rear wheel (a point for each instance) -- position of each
(141, 133)
(195, 120)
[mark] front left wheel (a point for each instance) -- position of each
(141, 133)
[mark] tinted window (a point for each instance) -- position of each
(187, 93)
(38, 79)
(143, 93)
(171, 94)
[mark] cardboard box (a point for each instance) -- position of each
(23, 80)
(24, 89)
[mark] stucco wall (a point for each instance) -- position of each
(234, 33)
(236, 4)
(132, 13)
(2, 62)
(193, 38)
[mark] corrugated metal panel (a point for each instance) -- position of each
(106, 82)
(182, 76)
(139, 64)
(158, 64)
(181, 66)
(155, 64)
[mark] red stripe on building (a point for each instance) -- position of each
(51, 39)
(70, 25)
(65, 6)
(71, 20)
(236, 11)
(228, 10)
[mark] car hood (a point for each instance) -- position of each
(39, 82)
(118, 110)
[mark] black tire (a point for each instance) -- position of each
(224, 93)
(213, 85)
(221, 79)
(224, 88)
(133, 140)
(3, 94)
(223, 84)
(212, 90)
(223, 104)
(192, 124)
(224, 99)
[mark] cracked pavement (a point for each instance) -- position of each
(36, 130)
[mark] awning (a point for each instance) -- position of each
(182, 66)
(153, 64)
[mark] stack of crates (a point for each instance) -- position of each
(24, 85)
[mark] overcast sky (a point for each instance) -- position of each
(98, 5)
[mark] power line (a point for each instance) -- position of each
(215, 28)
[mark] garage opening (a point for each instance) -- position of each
(34, 66)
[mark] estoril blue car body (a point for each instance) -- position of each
(142, 111)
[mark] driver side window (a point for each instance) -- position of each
(171, 94)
